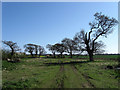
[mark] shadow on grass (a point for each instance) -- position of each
(63, 63)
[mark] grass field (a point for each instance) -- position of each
(108, 57)
(60, 73)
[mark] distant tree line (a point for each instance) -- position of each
(87, 41)
(33, 48)
(81, 42)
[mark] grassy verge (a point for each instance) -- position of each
(35, 73)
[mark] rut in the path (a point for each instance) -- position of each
(85, 76)
(61, 68)
(60, 77)
(75, 70)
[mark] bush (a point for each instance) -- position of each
(6, 54)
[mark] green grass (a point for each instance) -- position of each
(37, 73)
(9, 66)
(98, 75)
(96, 56)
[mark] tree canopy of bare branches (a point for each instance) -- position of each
(29, 48)
(13, 46)
(60, 48)
(102, 26)
(41, 50)
(70, 45)
(52, 48)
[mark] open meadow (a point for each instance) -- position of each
(60, 73)
(60, 45)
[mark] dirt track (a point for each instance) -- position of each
(89, 84)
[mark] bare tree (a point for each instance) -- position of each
(99, 47)
(102, 26)
(29, 48)
(13, 46)
(52, 48)
(70, 45)
(60, 48)
(41, 50)
(36, 49)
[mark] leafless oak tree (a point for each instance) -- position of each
(41, 50)
(13, 46)
(60, 48)
(52, 48)
(29, 48)
(102, 26)
(70, 46)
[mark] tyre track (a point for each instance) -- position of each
(87, 78)
(76, 71)
(60, 77)
(61, 85)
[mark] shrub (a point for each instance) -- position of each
(6, 54)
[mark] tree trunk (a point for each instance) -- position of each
(91, 56)
(12, 53)
(70, 54)
(61, 55)
(39, 55)
(36, 52)
(90, 52)
(54, 54)
(31, 54)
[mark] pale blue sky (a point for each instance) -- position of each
(48, 23)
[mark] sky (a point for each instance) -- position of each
(45, 23)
